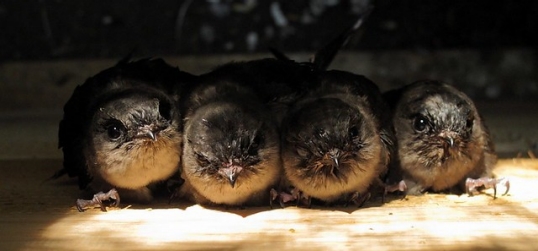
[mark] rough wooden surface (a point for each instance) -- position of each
(40, 215)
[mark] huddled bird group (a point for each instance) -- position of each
(269, 131)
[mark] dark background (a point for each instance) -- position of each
(486, 48)
(58, 29)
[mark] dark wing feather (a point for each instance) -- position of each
(71, 136)
(278, 54)
(324, 57)
(278, 83)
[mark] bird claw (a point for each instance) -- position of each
(275, 195)
(301, 198)
(359, 199)
(173, 195)
(98, 199)
(294, 194)
(471, 185)
(400, 186)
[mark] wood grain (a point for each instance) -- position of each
(40, 215)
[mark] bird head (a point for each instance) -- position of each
(228, 142)
(434, 123)
(131, 119)
(326, 137)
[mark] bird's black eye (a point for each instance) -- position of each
(256, 142)
(302, 152)
(469, 123)
(353, 132)
(165, 110)
(255, 145)
(420, 123)
(115, 130)
(202, 160)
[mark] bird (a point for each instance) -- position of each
(337, 139)
(122, 128)
(231, 153)
(441, 138)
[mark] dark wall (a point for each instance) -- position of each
(52, 29)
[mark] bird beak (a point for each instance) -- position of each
(231, 173)
(148, 134)
(448, 137)
(450, 141)
(335, 160)
(334, 154)
(147, 131)
(232, 178)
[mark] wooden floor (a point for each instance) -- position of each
(38, 215)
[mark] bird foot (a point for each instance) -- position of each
(293, 194)
(174, 189)
(282, 198)
(400, 186)
(98, 199)
(358, 199)
(472, 185)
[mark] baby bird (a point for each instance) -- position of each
(122, 128)
(442, 140)
(337, 139)
(231, 144)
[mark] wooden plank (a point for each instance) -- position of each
(36, 215)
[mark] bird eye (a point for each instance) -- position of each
(165, 110)
(115, 130)
(353, 132)
(256, 141)
(420, 123)
(202, 160)
(469, 123)
(255, 145)
(302, 152)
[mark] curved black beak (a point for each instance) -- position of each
(334, 154)
(147, 131)
(448, 137)
(231, 173)
(449, 141)
(232, 178)
(335, 160)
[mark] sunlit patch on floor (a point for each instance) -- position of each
(429, 222)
